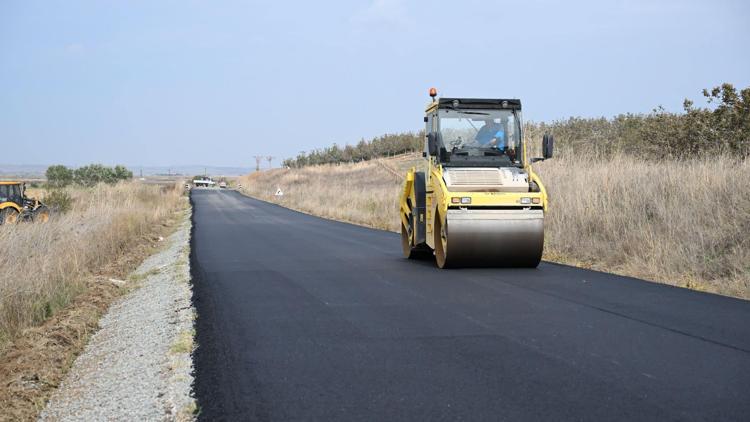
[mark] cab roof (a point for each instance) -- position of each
(476, 103)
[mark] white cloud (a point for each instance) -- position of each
(384, 12)
(75, 48)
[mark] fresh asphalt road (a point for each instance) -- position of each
(301, 318)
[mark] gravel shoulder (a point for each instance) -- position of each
(138, 366)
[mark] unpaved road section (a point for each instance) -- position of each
(138, 365)
(301, 318)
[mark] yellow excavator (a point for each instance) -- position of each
(15, 206)
(477, 202)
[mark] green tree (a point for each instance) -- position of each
(89, 175)
(729, 122)
(385, 145)
(93, 174)
(122, 173)
(59, 176)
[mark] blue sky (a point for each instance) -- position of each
(215, 83)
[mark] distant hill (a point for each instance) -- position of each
(37, 170)
(190, 170)
(22, 171)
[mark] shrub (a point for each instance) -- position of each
(59, 176)
(58, 200)
(722, 127)
(122, 173)
(93, 174)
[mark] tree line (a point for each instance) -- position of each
(721, 126)
(381, 146)
(59, 176)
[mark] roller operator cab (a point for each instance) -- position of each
(477, 201)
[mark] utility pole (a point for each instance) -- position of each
(270, 158)
(258, 159)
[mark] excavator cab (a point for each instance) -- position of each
(15, 206)
(477, 200)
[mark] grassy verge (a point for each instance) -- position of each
(678, 222)
(45, 265)
(60, 277)
(363, 193)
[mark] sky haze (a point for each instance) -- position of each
(215, 83)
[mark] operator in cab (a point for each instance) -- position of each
(492, 134)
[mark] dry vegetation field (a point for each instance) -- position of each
(364, 193)
(678, 222)
(45, 266)
(684, 223)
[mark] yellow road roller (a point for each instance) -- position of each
(477, 201)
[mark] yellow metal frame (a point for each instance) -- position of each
(438, 197)
(4, 205)
(409, 193)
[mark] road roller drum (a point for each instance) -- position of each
(501, 238)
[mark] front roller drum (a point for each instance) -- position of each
(490, 238)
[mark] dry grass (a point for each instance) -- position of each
(64, 269)
(684, 223)
(679, 222)
(363, 193)
(35, 363)
(184, 343)
(45, 266)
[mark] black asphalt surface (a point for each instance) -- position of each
(301, 318)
